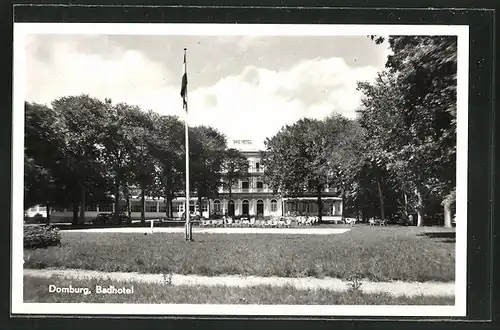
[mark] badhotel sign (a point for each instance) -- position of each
(242, 141)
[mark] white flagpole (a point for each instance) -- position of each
(188, 234)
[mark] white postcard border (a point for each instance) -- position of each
(21, 30)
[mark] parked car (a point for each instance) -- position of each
(36, 218)
(101, 219)
(121, 217)
(110, 218)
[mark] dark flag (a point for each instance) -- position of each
(184, 83)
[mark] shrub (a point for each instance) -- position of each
(36, 237)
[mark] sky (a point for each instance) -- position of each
(247, 87)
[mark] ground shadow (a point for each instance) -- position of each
(445, 237)
(69, 226)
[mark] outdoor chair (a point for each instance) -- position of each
(288, 223)
(371, 222)
(281, 223)
(245, 222)
(252, 222)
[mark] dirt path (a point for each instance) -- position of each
(396, 288)
(289, 231)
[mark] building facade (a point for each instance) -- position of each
(252, 196)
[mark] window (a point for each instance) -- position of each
(179, 207)
(260, 207)
(245, 207)
(150, 206)
(230, 208)
(135, 206)
(217, 207)
(274, 205)
(192, 207)
(204, 207)
(91, 208)
(106, 208)
(260, 185)
(163, 207)
(257, 166)
(244, 184)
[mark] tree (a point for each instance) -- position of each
(296, 159)
(207, 148)
(140, 135)
(80, 120)
(411, 112)
(345, 153)
(234, 168)
(167, 151)
(49, 163)
(41, 157)
(117, 148)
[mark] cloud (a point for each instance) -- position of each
(257, 102)
(130, 77)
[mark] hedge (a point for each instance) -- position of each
(36, 237)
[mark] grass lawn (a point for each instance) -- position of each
(37, 290)
(375, 253)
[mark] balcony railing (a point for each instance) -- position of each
(248, 190)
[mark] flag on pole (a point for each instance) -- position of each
(184, 83)
(188, 233)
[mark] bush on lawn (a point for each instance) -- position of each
(36, 237)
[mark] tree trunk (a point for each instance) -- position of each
(320, 205)
(117, 201)
(200, 208)
(75, 213)
(420, 208)
(447, 214)
(230, 197)
(143, 206)
(341, 206)
(171, 207)
(381, 198)
(82, 205)
(127, 206)
(406, 204)
(48, 215)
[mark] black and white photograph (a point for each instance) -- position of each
(232, 169)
